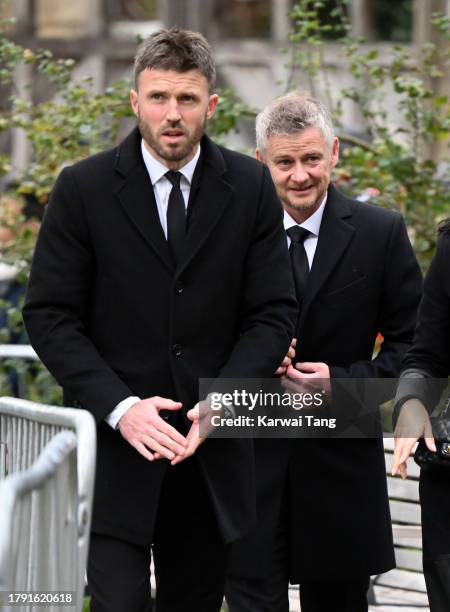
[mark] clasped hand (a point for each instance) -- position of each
(154, 438)
(308, 377)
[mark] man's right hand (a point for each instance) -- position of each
(146, 431)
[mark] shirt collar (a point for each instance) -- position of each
(157, 170)
(312, 223)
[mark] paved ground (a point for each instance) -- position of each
(384, 595)
(388, 600)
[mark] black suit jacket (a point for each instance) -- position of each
(110, 316)
(364, 280)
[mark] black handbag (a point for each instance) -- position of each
(441, 433)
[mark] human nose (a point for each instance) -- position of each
(299, 174)
(173, 113)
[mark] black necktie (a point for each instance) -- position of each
(176, 215)
(299, 259)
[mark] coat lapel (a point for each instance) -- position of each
(137, 198)
(209, 196)
(335, 235)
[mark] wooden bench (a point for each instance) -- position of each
(405, 514)
(403, 588)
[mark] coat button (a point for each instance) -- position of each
(176, 350)
(179, 288)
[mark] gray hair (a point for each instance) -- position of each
(291, 114)
(175, 49)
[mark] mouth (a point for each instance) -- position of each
(301, 190)
(172, 136)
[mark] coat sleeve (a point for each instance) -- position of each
(402, 287)
(427, 362)
(431, 347)
(269, 307)
(57, 303)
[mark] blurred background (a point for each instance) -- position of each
(247, 36)
(381, 66)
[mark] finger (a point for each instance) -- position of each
(161, 425)
(431, 444)
(398, 453)
(293, 372)
(165, 441)
(291, 352)
(294, 342)
(162, 403)
(143, 450)
(406, 449)
(403, 470)
(194, 416)
(194, 442)
(395, 460)
(306, 366)
(179, 458)
(280, 371)
(286, 361)
(193, 438)
(309, 375)
(155, 446)
(428, 436)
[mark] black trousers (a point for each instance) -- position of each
(435, 504)
(270, 594)
(315, 595)
(189, 554)
(348, 595)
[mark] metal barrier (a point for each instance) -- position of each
(18, 351)
(38, 515)
(45, 497)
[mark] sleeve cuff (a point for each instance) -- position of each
(114, 417)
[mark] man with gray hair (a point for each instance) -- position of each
(136, 293)
(322, 505)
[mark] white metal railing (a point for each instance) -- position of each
(37, 516)
(18, 351)
(52, 518)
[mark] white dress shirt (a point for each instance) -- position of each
(161, 188)
(312, 224)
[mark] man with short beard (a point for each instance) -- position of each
(158, 263)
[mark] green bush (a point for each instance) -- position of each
(392, 162)
(73, 123)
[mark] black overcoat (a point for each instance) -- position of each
(364, 280)
(110, 316)
(429, 355)
(431, 347)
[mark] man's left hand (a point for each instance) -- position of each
(193, 437)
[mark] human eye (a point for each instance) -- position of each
(156, 96)
(314, 158)
(284, 163)
(187, 98)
